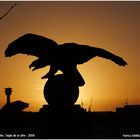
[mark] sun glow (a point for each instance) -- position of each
(113, 26)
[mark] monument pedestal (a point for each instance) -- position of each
(61, 118)
(65, 122)
(63, 109)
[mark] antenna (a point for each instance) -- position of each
(89, 109)
(82, 104)
(126, 103)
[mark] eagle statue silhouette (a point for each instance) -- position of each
(64, 57)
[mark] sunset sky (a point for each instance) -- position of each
(114, 26)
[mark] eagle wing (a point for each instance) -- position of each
(79, 54)
(31, 44)
(108, 55)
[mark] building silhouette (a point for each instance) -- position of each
(74, 122)
(128, 109)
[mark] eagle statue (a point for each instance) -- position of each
(64, 57)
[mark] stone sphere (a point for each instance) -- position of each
(60, 91)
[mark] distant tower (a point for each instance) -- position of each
(82, 104)
(89, 109)
(126, 103)
(8, 92)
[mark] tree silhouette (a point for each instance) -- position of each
(8, 11)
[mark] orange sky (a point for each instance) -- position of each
(113, 26)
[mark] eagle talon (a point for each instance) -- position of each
(48, 75)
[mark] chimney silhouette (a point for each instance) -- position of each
(8, 92)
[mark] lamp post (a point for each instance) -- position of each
(8, 92)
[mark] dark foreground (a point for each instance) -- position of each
(71, 123)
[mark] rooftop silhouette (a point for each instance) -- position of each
(13, 107)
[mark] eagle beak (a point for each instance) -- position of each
(30, 66)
